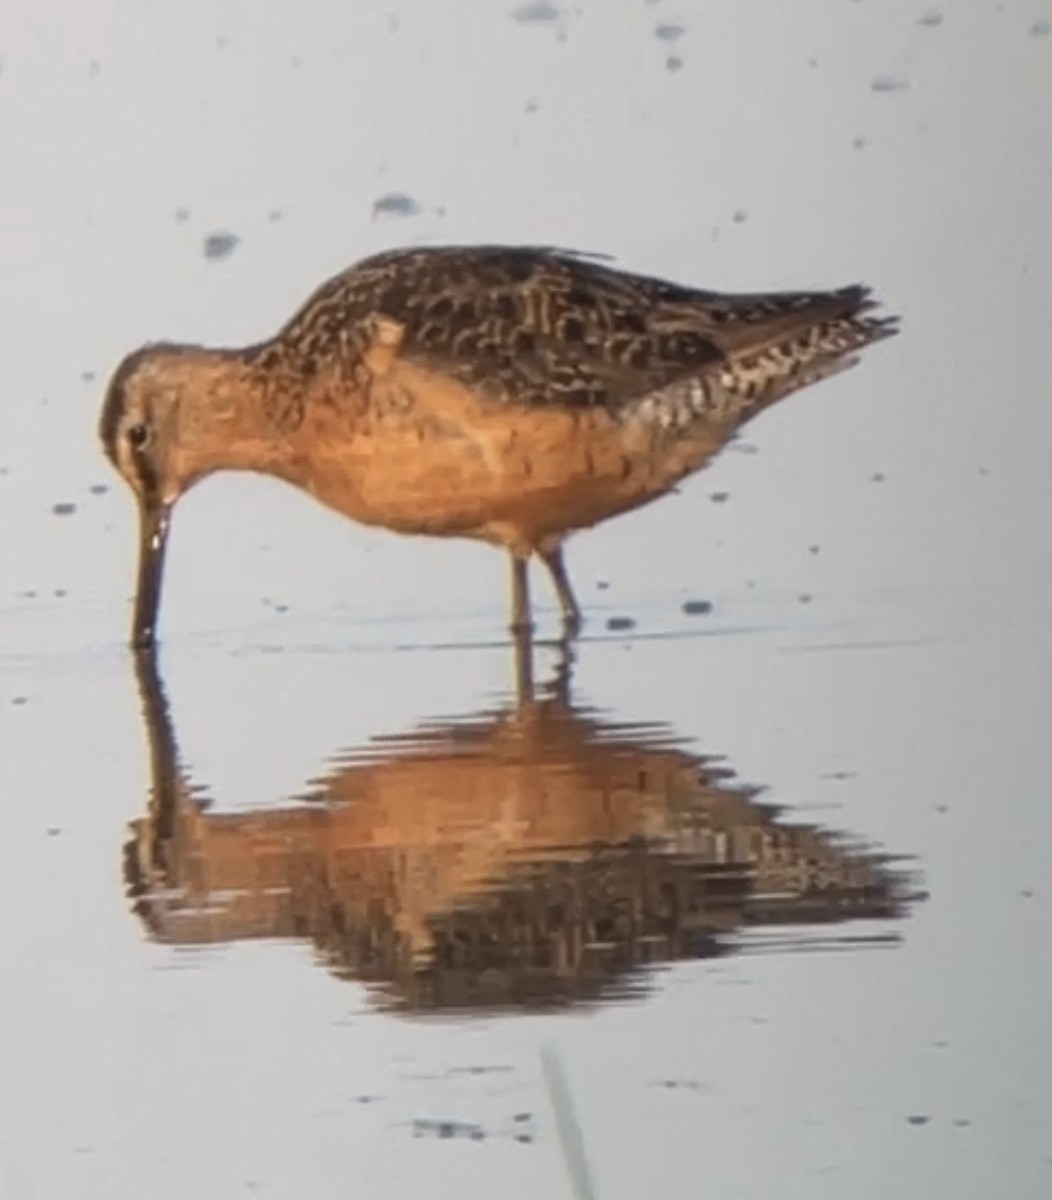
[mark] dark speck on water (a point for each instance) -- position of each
(669, 31)
(890, 83)
(18, 701)
(64, 508)
(931, 18)
(1041, 29)
(182, 215)
(396, 204)
(719, 497)
(99, 489)
(221, 244)
(428, 1127)
(620, 623)
(697, 608)
(739, 216)
(673, 63)
(535, 14)
(918, 1119)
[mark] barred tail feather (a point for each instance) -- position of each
(814, 337)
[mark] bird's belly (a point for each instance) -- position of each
(516, 478)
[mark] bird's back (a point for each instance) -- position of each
(540, 327)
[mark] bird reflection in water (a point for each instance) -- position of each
(534, 855)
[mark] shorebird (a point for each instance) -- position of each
(512, 394)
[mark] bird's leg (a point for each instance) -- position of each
(521, 616)
(553, 560)
(524, 690)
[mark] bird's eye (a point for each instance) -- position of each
(138, 436)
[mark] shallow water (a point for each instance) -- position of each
(314, 902)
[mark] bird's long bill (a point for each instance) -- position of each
(154, 517)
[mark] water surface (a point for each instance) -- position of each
(766, 873)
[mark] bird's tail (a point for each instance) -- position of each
(773, 345)
(819, 336)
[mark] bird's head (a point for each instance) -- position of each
(164, 421)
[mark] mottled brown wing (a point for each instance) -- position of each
(539, 326)
(527, 325)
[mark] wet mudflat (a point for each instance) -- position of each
(301, 906)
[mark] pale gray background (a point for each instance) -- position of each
(858, 140)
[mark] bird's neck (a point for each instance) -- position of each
(233, 414)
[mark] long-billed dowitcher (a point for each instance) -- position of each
(510, 394)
